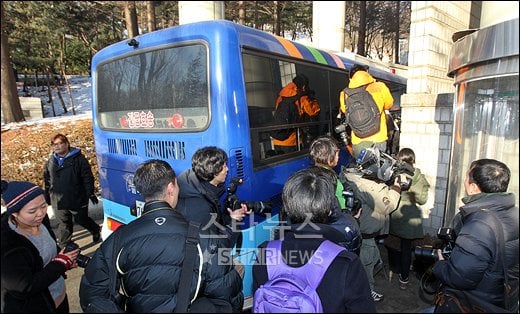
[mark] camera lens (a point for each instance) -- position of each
(425, 251)
(259, 207)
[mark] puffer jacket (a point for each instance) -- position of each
(378, 200)
(406, 220)
(152, 250)
(474, 265)
(68, 185)
(382, 97)
(25, 280)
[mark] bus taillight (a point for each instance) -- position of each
(113, 224)
(176, 121)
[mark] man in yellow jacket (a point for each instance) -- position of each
(298, 96)
(359, 76)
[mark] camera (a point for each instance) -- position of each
(447, 243)
(376, 164)
(341, 130)
(232, 201)
(352, 203)
(81, 260)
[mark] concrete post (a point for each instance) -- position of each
(427, 107)
(196, 11)
(328, 25)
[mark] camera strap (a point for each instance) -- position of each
(114, 280)
(499, 234)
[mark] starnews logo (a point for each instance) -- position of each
(280, 227)
(292, 257)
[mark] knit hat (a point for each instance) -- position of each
(18, 193)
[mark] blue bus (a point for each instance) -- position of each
(165, 94)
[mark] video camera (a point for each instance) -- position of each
(376, 164)
(81, 260)
(232, 201)
(446, 245)
(341, 130)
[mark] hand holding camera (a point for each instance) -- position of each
(72, 249)
(441, 250)
(234, 203)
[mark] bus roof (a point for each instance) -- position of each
(247, 38)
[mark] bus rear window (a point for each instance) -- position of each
(159, 90)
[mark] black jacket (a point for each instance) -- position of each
(150, 260)
(68, 186)
(25, 281)
(199, 202)
(344, 288)
(474, 265)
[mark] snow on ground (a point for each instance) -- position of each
(81, 96)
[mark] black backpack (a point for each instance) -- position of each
(286, 113)
(362, 113)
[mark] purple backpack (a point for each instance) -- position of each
(293, 289)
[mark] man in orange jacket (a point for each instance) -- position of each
(296, 95)
(359, 76)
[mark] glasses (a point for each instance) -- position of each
(57, 144)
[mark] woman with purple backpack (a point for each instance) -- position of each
(306, 270)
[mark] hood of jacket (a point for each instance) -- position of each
(360, 78)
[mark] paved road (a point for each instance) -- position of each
(395, 301)
(84, 239)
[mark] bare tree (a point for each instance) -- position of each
(362, 28)
(396, 42)
(131, 19)
(64, 74)
(150, 15)
(241, 13)
(11, 108)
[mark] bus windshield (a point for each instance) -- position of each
(163, 90)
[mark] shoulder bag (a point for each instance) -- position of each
(451, 300)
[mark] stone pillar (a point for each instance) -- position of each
(196, 11)
(427, 107)
(494, 12)
(328, 25)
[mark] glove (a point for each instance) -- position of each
(63, 260)
(93, 199)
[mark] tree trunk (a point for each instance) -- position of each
(49, 92)
(277, 18)
(362, 28)
(62, 68)
(11, 108)
(257, 26)
(59, 94)
(131, 19)
(396, 43)
(241, 13)
(150, 15)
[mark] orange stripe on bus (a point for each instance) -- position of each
(290, 47)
